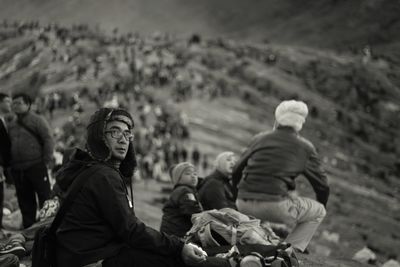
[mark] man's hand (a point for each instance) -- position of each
(192, 254)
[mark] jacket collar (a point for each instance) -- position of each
(286, 129)
(219, 176)
(184, 185)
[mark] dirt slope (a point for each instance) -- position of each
(228, 91)
(326, 23)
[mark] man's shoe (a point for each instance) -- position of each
(13, 248)
(9, 260)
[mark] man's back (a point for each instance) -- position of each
(281, 153)
(275, 160)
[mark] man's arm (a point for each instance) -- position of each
(2, 174)
(2, 168)
(45, 133)
(317, 177)
(110, 194)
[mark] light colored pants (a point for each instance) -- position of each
(304, 215)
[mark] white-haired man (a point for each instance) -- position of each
(265, 176)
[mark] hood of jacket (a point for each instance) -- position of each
(96, 144)
(70, 170)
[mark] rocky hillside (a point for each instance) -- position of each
(326, 23)
(228, 90)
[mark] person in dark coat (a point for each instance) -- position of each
(216, 191)
(183, 201)
(5, 150)
(32, 148)
(101, 225)
(266, 172)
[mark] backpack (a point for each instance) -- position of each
(256, 255)
(238, 237)
(45, 240)
(227, 226)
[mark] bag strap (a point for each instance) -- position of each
(234, 235)
(31, 131)
(76, 186)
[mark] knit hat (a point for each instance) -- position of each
(177, 171)
(96, 144)
(221, 159)
(291, 113)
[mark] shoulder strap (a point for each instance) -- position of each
(31, 131)
(84, 174)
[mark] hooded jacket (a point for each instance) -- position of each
(216, 192)
(178, 210)
(101, 220)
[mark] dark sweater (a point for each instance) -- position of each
(178, 210)
(26, 148)
(272, 162)
(216, 192)
(5, 146)
(101, 222)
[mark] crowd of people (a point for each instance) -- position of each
(94, 59)
(162, 134)
(260, 183)
(115, 147)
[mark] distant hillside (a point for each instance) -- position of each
(228, 91)
(337, 24)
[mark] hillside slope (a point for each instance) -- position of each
(337, 24)
(228, 91)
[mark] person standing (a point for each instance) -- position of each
(5, 150)
(266, 172)
(32, 148)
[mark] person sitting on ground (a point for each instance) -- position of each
(266, 172)
(216, 191)
(101, 225)
(183, 201)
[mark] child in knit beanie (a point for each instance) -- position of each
(184, 173)
(183, 201)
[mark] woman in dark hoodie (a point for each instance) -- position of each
(216, 191)
(101, 225)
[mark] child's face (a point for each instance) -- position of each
(189, 177)
(227, 164)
